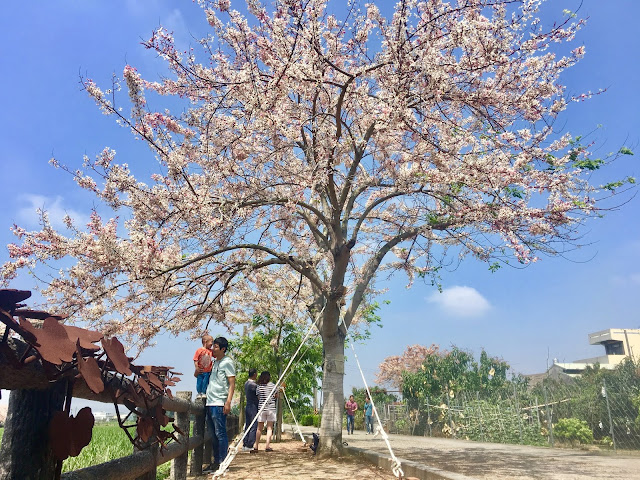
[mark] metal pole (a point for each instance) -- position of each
(629, 351)
(606, 396)
(481, 417)
(453, 430)
(515, 395)
(547, 407)
(428, 417)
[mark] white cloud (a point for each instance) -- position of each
(461, 302)
(27, 216)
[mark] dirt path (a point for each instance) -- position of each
(290, 461)
(493, 461)
(478, 461)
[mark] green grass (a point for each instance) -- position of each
(108, 442)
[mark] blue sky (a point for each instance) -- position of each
(527, 316)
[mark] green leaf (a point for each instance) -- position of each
(588, 164)
(613, 185)
(494, 267)
(515, 192)
(625, 151)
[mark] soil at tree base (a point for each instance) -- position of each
(290, 460)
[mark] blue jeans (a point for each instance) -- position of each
(217, 422)
(368, 423)
(349, 423)
(202, 381)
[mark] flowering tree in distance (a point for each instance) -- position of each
(391, 369)
(330, 147)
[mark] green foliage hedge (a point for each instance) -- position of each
(574, 431)
(310, 419)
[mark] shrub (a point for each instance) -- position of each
(310, 420)
(307, 420)
(573, 431)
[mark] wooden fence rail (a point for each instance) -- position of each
(143, 464)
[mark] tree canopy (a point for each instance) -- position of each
(269, 344)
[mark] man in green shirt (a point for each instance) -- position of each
(222, 383)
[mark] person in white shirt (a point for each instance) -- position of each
(266, 396)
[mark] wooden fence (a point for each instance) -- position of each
(25, 435)
(142, 464)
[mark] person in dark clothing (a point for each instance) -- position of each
(250, 410)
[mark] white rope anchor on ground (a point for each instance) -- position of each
(294, 418)
(233, 449)
(396, 467)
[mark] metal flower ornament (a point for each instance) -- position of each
(70, 354)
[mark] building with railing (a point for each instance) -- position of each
(619, 344)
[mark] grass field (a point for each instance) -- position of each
(107, 443)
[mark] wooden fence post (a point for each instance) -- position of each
(179, 464)
(197, 456)
(151, 474)
(25, 451)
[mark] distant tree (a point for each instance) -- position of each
(269, 343)
(379, 395)
(323, 147)
(450, 372)
(391, 369)
(586, 397)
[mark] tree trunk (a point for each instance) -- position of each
(25, 451)
(279, 418)
(332, 387)
(279, 407)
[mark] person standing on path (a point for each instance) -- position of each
(250, 410)
(368, 415)
(351, 406)
(222, 383)
(268, 415)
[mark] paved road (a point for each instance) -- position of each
(494, 461)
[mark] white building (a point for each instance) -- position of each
(618, 343)
(104, 416)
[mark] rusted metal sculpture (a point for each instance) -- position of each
(68, 353)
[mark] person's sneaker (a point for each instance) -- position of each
(247, 449)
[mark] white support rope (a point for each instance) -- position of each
(233, 449)
(396, 467)
(294, 417)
